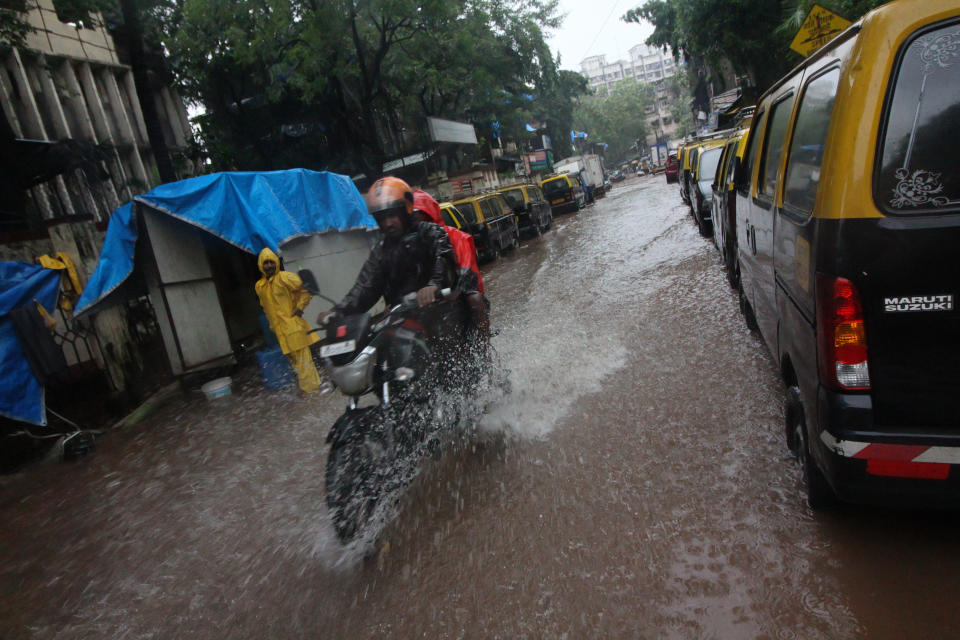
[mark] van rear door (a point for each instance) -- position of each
(763, 208)
(912, 282)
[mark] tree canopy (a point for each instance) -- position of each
(617, 118)
(346, 84)
(752, 35)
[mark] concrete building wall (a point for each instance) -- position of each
(68, 83)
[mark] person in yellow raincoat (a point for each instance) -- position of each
(283, 299)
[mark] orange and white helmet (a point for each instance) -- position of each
(389, 195)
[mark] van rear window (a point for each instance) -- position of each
(807, 144)
(918, 170)
(555, 188)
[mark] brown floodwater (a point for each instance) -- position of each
(637, 485)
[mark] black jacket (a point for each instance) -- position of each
(396, 267)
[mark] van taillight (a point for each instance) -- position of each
(841, 336)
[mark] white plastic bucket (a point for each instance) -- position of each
(217, 388)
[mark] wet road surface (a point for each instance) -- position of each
(641, 489)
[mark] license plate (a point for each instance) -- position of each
(337, 348)
(558, 201)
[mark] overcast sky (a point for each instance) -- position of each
(594, 27)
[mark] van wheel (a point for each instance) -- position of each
(733, 266)
(819, 494)
(705, 227)
(746, 309)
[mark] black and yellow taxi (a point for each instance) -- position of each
(564, 192)
(452, 216)
(702, 172)
(848, 222)
(491, 221)
(724, 205)
(534, 215)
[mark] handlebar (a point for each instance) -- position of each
(407, 303)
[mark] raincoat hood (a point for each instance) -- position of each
(423, 201)
(267, 254)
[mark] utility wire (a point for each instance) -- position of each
(607, 19)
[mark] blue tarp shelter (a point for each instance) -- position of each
(21, 395)
(250, 210)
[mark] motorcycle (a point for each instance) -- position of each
(417, 365)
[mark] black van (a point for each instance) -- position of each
(848, 227)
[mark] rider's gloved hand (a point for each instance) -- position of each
(324, 317)
(427, 295)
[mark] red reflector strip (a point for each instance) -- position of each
(905, 469)
(342, 331)
(902, 452)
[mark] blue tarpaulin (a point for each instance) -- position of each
(21, 396)
(250, 210)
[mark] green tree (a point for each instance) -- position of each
(752, 35)
(744, 32)
(617, 118)
(346, 84)
(678, 101)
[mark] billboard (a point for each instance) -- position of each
(450, 131)
(540, 160)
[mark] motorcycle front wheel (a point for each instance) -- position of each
(351, 485)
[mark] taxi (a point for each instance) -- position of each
(534, 215)
(491, 221)
(564, 192)
(848, 222)
(724, 205)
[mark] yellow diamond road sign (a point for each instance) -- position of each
(820, 27)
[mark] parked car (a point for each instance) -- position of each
(672, 168)
(453, 217)
(684, 174)
(617, 176)
(531, 208)
(724, 206)
(564, 192)
(848, 222)
(491, 221)
(701, 182)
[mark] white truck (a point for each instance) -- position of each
(590, 168)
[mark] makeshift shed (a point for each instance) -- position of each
(192, 246)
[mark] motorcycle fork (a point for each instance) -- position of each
(386, 383)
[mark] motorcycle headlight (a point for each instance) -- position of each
(356, 376)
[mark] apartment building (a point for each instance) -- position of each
(69, 84)
(646, 64)
(74, 146)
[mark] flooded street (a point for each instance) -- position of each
(641, 488)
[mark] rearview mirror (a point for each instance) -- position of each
(309, 281)
(311, 286)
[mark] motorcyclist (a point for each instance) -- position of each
(411, 256)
